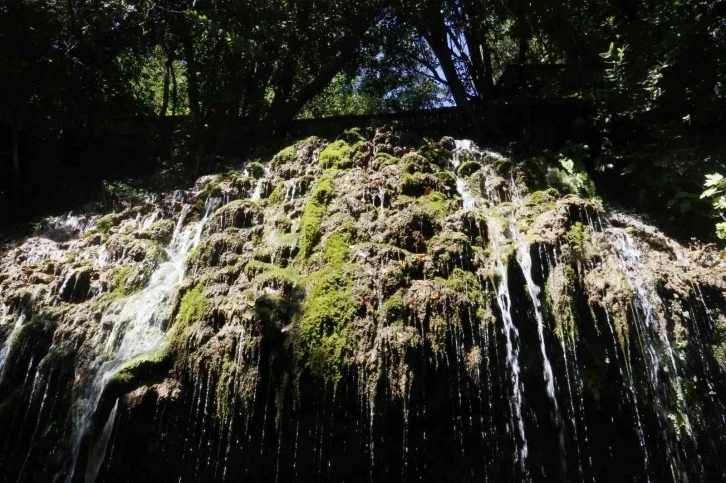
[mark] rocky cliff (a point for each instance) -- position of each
(382, 307)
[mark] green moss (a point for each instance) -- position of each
(155, 253)
(578, 235)
(353, 135)
(335, 250)
(105, 223)
(558, 290)
(325, 340)
(436, 154)
(266, 273)
(438, 204)
(160, 231)
(313, 215)
(128, 280)
(414, 162)
(336, 155)
(120, 282)
(257, 170)
(273, 309)
(192, 306)
(467, 284)
(394, 308)
(448, 180)
(140, 367)
(468, 168)
(384, 159)
(502, 165)
(547, 197)
(278, 194)
(237, 213)
(287, 155)
(415, 184)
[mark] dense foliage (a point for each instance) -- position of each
(654, 69)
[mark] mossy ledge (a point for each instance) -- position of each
(313, 215)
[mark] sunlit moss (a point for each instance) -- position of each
(105, 223)
(325, 337)
(192, 306)
(578, 236)
(237, 213)
(278, 194)
(313, 215)
(141, 367)
(335, 250)
(438, 204)
(544, 197)
(287, 155)
(394, 308)
(267, 274)
(414, 162)
(160, 231)
(336, 155)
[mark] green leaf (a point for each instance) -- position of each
(709, 192)
(713, 179)
(568, 164)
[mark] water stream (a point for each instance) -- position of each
(499, 241)
(138, 329)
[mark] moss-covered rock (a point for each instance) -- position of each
(418, 184)
(336, 155)
(160, 231)
(313, 215)
(267, 274)
(256, 169)
(142, 367)
(468, 168)
(237, 214)
(325, 332)
(129, 279)
(559, 297)
(278, 194)
(192, 307)
(286, 156)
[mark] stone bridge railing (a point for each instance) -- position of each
(540, 122)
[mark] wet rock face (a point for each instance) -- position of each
(381, 307)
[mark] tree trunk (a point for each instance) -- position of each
(348, 45)
(174, 91)
(435, 34)
(481, 60)
(165, 98)
(193, 94)
(522, 56)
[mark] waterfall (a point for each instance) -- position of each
(498, 242)
(464, 147)
(654, 339)
(502, 327)
(98, 452)
(257, 193)
(138, 330)
(525, 262)
(8, 344)
(511, 334)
